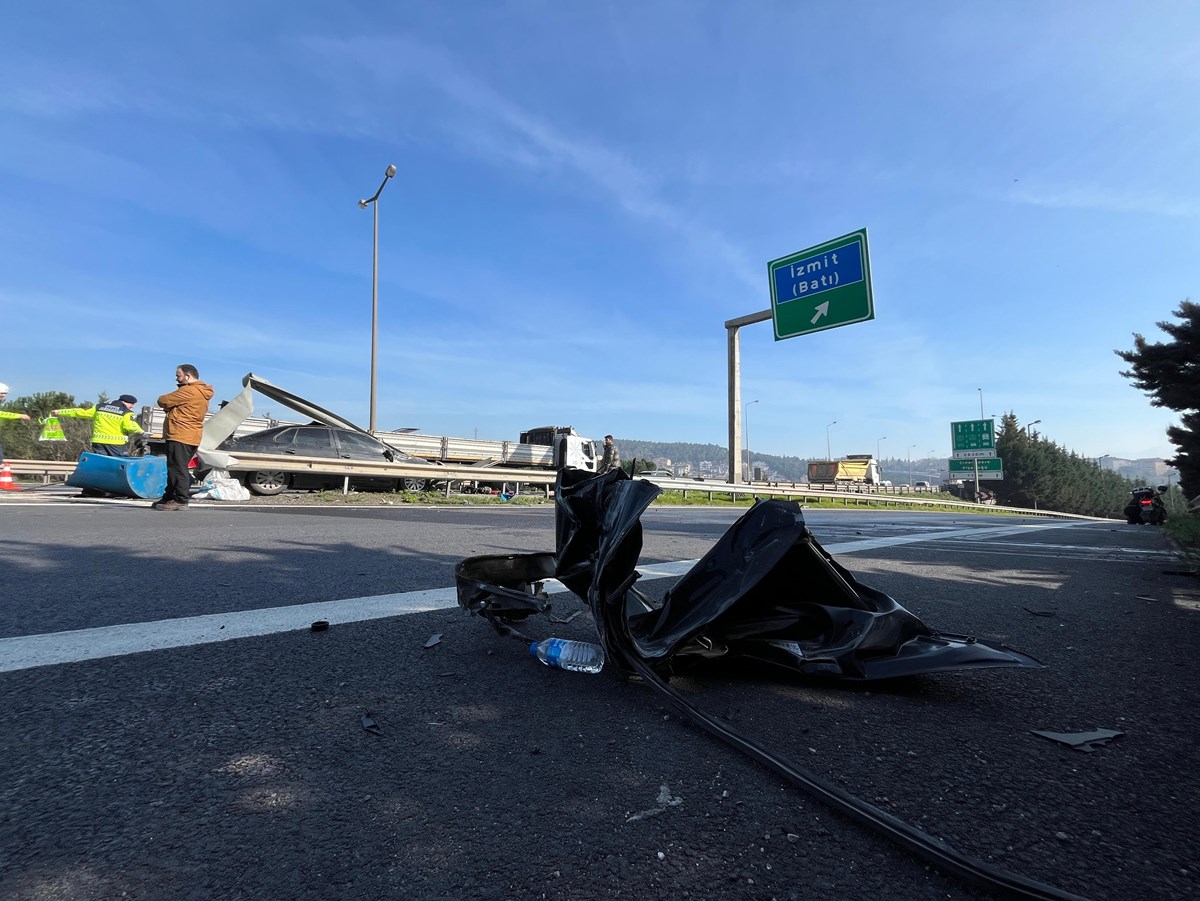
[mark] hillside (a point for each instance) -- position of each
(790, 469)
(780, 468)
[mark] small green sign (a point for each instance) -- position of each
(972, 439)
(967, 467)
(823, 287)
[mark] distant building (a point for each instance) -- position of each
(1146, 469)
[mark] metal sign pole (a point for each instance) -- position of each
(735, 390)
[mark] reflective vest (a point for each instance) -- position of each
(112, 422)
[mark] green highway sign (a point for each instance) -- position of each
(983, 476)
(990, 468)
(972, 439)
(823, 287)
(992, 464)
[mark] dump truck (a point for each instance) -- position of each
(855, 469)
(551, 447)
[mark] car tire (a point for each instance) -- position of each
(266, 482)
(413, 484)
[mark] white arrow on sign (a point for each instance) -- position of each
(822, 310)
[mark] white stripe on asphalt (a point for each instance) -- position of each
(870, 544)
(28, 651)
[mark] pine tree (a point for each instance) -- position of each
(1039, 473)
(1170, 373)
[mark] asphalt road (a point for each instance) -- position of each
(239, 768)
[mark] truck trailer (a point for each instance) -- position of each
(855, 469)
(545, 447)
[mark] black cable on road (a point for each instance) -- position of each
(1004, 883)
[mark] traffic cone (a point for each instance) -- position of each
(6, 479)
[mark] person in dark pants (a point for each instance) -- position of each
(612, 456)
(112, 424)
(185, 409)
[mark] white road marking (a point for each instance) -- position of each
(28, 651)
(870, 544)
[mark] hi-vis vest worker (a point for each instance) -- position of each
(113, 423)
(4, 414)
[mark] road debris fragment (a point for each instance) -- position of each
(1081, 741)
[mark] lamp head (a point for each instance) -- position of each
(391, 170)
(362, 204)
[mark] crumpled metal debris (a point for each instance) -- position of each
(1081, 741)
(766, 592)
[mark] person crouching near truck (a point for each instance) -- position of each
(112, 424)
(184, 425)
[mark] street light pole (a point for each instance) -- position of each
(976, 462)
(910, 447)
(363, 204)
(1029, 425)
(877, 440)
(746, 429)
(828, 452)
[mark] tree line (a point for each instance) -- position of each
(1040, 474)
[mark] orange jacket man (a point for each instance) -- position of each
(186, 409)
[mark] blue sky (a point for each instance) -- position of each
(587, 191)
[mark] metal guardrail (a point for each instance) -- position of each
(47, 469)
(857, 497)
(257, 462)
(433, 472)
(274, 463)
(451, 473)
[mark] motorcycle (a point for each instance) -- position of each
(1146, 506)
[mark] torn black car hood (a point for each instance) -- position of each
(766, 592)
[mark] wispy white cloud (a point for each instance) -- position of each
(63, 91)
(1153, 203)
(485, 120)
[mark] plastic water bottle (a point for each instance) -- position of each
(562, 653)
